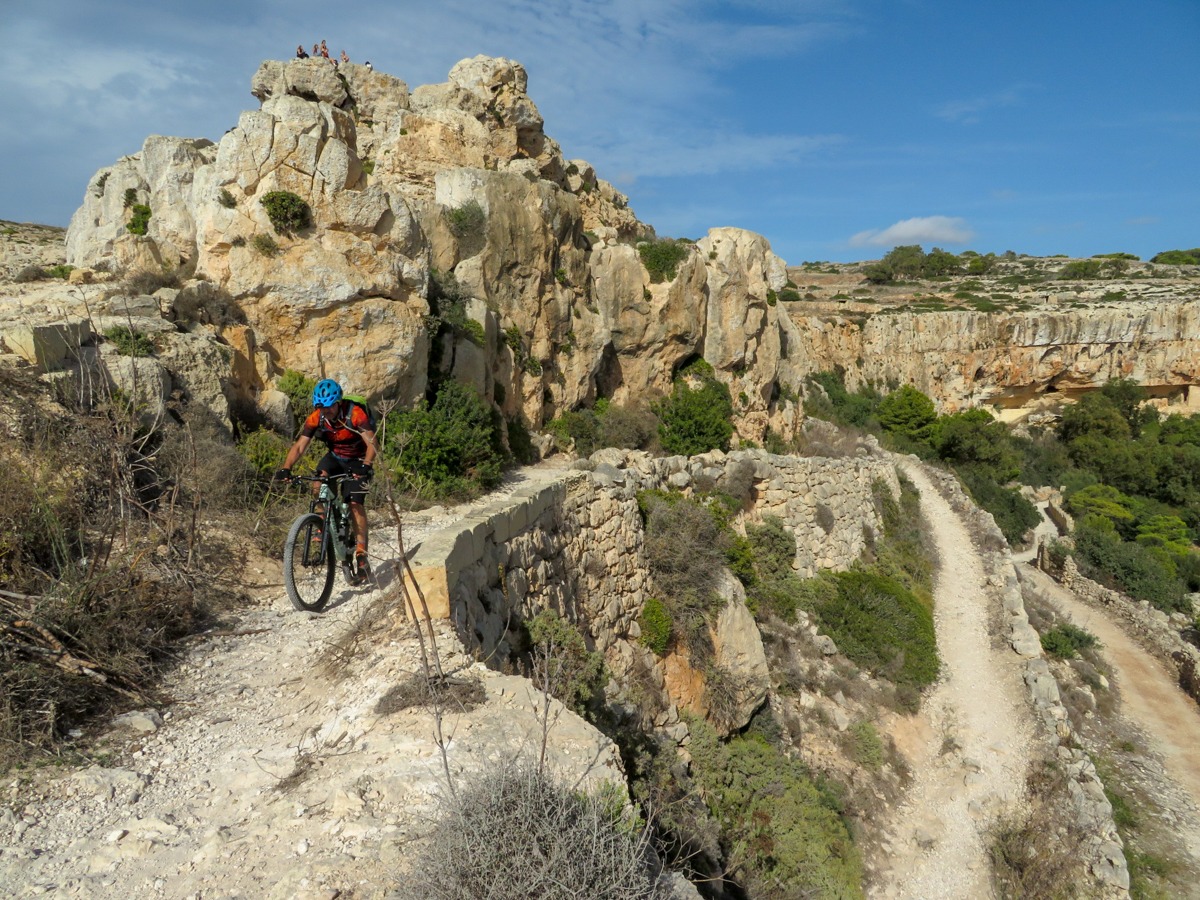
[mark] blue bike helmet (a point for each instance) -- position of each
(327, 393)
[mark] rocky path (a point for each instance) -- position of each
(971, 764)
(1167, 719)
(268, 777)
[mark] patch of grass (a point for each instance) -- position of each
(1065, 640)
(265, 244)
(130, 342)
(662, 258)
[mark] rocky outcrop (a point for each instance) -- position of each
(457, 179)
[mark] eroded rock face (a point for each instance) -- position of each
(456, 178)
(1009, 359)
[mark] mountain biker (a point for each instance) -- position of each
(349, 431)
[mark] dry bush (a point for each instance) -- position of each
(513, 833)
(1038, 852)
(738, 481)
(147, 281)
(103, 561)
(820, 438)
(417, 690)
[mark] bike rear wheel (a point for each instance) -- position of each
(308, 567)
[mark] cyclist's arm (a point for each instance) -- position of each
(369, 439)
(297, 451)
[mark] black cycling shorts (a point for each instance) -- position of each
(354, 490)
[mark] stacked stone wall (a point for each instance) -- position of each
(576, 545)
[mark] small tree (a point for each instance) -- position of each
(908, 413)
(696, 419)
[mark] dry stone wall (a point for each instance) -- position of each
(576, 545)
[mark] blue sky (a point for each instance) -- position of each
(837, 128)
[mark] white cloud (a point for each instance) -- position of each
(921, 230)
(970, 111)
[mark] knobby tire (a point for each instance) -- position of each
(308, 586)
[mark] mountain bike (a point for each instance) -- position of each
(318, 541)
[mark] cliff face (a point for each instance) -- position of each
(1011, 359)
(451, 179)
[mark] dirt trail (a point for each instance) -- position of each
(1168, 719)
(265, 777)
(970, 765)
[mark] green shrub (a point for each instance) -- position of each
(226, 199)
(452, 446)
(1064, 641)
(59, 271)
(882, 627)
(774, 547)
(866, 748)
(655, 622)
(265, 245)
(287, 211)
(783, 825)
(686, 549)
(299, 389)
(139, 219)
(130, 342)
(1013, 512)
(563, 663)
(826, 398)
(577, 430)
(1177, 257)
(696, 420)
(130, 197)
(467, 222)
(631, 426)
(907, 412)
(265, 451)
(1132, 568)
(1081, 269)
(662, 258)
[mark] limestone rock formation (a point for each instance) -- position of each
(455, 179)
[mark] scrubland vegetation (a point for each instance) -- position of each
(1130, 477)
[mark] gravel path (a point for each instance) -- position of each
(972, 765)
(265, 777)
(1169, 720)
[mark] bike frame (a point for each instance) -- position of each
(334, 510)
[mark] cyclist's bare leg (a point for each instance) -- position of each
(359, 514)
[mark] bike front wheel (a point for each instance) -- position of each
(308, 564)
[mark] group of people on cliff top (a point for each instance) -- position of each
(321, 51)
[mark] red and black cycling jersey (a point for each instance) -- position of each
(340, 426)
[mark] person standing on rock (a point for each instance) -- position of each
(348, 429)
